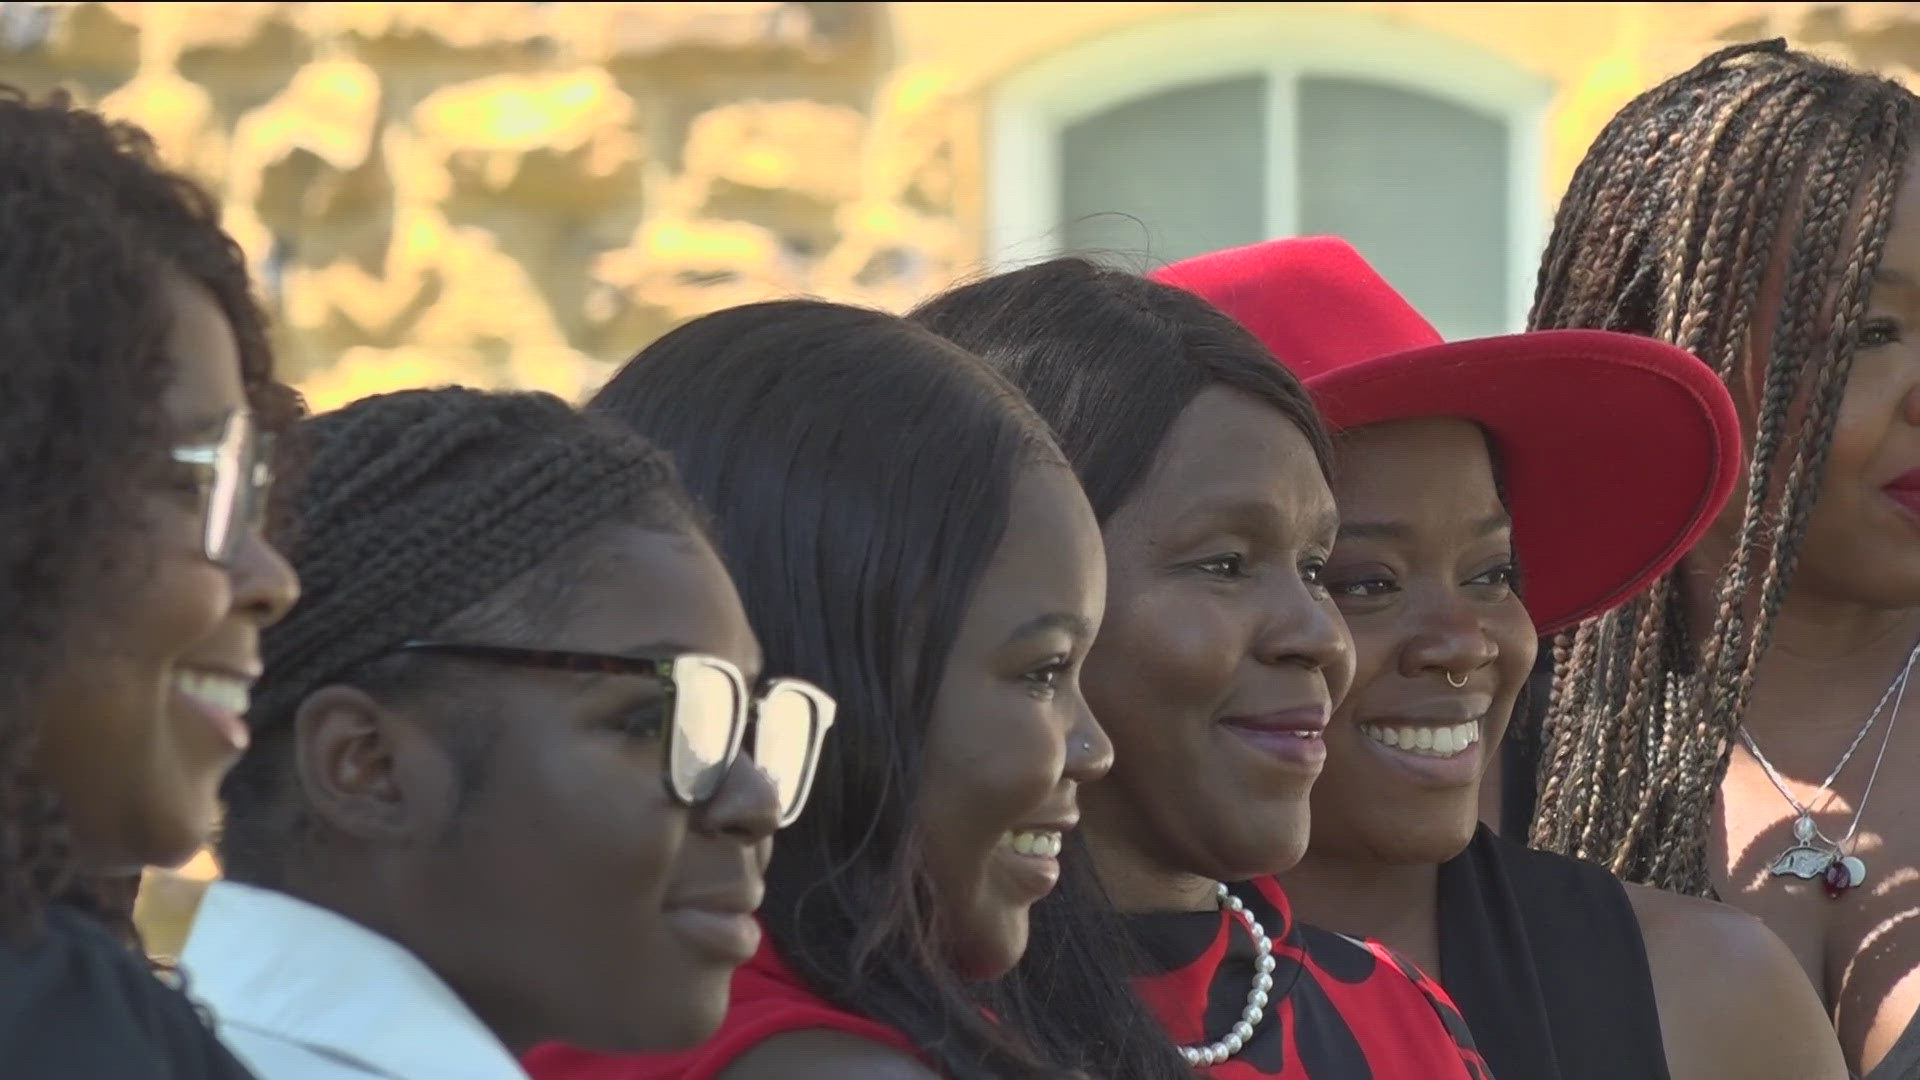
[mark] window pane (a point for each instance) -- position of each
(1419, 186)
(1188, 163)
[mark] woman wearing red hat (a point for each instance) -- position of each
(1582, 463)
(1745, 726)
(1215, 673)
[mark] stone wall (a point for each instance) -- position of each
(523, 194)
(519, 193)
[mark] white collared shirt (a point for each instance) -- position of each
(300, 993)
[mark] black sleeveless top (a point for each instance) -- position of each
(77, 1005)
(1543, 954)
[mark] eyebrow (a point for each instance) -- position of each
(1075, 625)
(1896, 278)
(1399, 530)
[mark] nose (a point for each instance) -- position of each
(1089, 751)
(265, 587)
(745, 808)
(1303, 629)
(1448, 639)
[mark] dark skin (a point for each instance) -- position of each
(1423, 572)
(1214, 612)
(1010, 741)
(136, 752)
(552, 889)
(1850, 620)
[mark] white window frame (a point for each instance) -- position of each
(1029, 111)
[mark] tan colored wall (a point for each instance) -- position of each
(522, 194)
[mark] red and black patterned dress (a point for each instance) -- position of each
(1340, 1009)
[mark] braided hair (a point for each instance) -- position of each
(1744, 200)
(447, 513)
(90, 226)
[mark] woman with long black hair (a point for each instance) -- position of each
(135, 388)
(1217, 670)
(904, 532)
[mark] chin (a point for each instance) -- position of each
(170, 835)
(993, 947)
(1278, 846)
(681, 1022)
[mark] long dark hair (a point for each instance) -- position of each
(1110, 360)
(1758, 169)
(90, 223)
(859, 471)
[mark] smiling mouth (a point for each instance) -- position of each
(1036, 843)
(1426, 741)
(215, 690)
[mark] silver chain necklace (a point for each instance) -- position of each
(1814, 854)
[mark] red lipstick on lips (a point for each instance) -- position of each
(1905, 490)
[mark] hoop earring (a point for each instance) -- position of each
(1456, 685)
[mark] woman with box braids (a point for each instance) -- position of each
(1755, 210)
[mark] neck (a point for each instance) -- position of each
(1131, 875)
(1823, 649)
(1820, 630)
(1360, 896)
(364, 894)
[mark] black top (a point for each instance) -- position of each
(1543, 954)
(75, 1003)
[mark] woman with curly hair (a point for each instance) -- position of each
(136, 391)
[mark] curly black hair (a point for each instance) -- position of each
(91, 223)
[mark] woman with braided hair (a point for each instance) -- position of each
(492, 796)
(1726, 732)
(135, 381)
(904, 530)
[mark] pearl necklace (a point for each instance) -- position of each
(1216, 1052)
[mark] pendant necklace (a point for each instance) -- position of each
(1814, 854)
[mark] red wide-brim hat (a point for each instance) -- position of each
(1615, 452)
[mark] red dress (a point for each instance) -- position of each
(1341, 1010)
(768, 999)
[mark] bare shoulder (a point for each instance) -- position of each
(824, 1055)
(1733, 1001)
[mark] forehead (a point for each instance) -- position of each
(1050, 557)
(1435, 469)
(204, 355)
(1229, 445)
(641, 588)
(1900, 260)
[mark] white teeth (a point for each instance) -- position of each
(1042, 843)
(1434, 742)
(221, 693)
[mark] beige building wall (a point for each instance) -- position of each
(523, 194)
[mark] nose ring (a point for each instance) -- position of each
(1086, 745)
(1456, 685)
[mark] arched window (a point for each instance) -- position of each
(1181, 137)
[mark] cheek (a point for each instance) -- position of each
(994, 754)
(1374, 644)
(1519, 646)
(590, 812)
(1163, 654)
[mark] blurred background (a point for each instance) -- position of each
(524, 194)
